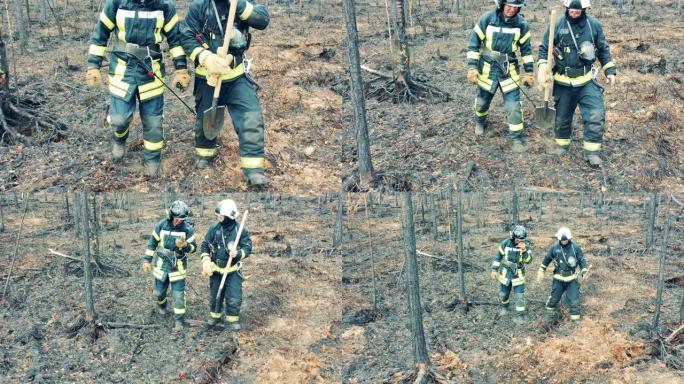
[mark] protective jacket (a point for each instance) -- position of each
(570, 67)
(161, 246)
(204, 28)
(492, 50)
(510, 261)
(566, 258)
(218, 241)
(139, 27)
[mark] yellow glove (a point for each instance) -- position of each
(207, 266)
(93, 77)
(472, 76)
(540, 275)
(522, 247)
(493, 275)
(217, 65)
(181, 244)
(181, 78)
(146, 267)
(528, 80)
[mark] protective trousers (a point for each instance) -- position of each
(512, 107)
(240, 98)
(231, 294)
(572, 297)
(518, 291)
(589, 97)
(151, 114)
(177, 293)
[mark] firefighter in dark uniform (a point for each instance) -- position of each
(136, 66)
(567, 257)
(203, 32)
(578, 42)
(216, 249)
(492, 64)
(167, 248)
(508, 268)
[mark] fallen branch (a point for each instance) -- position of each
(129, 325)
(674, 334)
(52, 251)
(435, 257)
(376, 72)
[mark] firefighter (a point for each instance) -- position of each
(136, 69)
(508, 268)
(567, 257)
(166, 256)
(217, 248)
(203, 33)
(578, 42)
(492, 64)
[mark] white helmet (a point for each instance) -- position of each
(563, 234)
(227, 208)
(577, 4)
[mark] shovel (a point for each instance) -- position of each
(546, 116)
(212, 120)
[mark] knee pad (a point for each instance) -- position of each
(119, 122)
(179, 299)
(152, 123)
(234, 302)
(513, 108)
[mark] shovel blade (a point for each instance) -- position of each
(545, 117)
(212, 121)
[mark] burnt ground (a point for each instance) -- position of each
(425, 146)
(296, 67)
(290, 311)
(474, 344)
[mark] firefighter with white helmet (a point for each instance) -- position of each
(578, 43)
(216, 251)
(508, 268)
(568, 258)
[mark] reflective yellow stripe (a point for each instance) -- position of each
(181, 268)
(151, 94)
(195, 52)
(176, 276)
(501, 251)
(121, 25)
(608, 65)
(232, 319)
(564, 278)
(573, 81)
(592, 147)
(575, 317)
(179, 311)
(171, 24)
(489, 37)
(205, 152)
(157, 273)
(96, 50)
(252, 162)
(149, 252)
(160, 25)
(516, 127)
(505, 301)
(191, 239)
(235, 72)
(524, 38)
(563, 142)
(473, 55)
(177, 51)
(117, 86)
(518, 281)
(156, 236)
(516, 38)
(479, 32)
(483, 78)
(162, 301)
(519, 309)
(215, 315)
(496, 264)
(150, 146)
(247, 12)
(122, 134)
(106, 21)
(528, 59)
(203, 53)
(480, 114)
(234, 268)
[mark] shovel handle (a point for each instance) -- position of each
(549, 56)
(226, 42)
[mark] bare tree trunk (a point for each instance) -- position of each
(681, 308)
(358, 100)
(374, 306)
(21, 25)
(651, 219)
(420, 355)
(96, 231)
(402, 62)
(661, 272)
(42, 11)
(87, 271)
(337, 235)
(4, 66)
(2, 217)
(515, 217)
(459, 228)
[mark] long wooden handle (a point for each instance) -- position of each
(226, 41)
(230, 258)
(549, 55)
